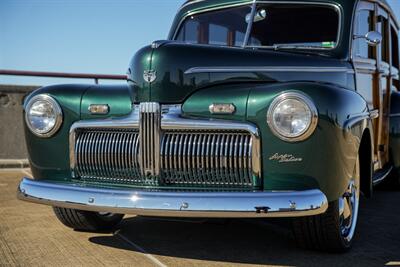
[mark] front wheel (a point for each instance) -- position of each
(334, 230)
(87, 220)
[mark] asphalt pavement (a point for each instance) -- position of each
(30, 235)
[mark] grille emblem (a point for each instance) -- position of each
(149, 138)
(149, 75)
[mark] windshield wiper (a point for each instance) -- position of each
(293, 49)
(299, 47)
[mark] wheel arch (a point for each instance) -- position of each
(365, 156)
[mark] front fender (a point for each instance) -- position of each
(48, 156)
(326, 159)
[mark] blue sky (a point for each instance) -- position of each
(91, 36)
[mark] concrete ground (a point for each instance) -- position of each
(30, 235)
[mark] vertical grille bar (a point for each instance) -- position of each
(149, 135)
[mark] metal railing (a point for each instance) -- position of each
(47, 74)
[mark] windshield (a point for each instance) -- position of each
(271, 25)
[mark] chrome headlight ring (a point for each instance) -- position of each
(288, 100)
(50, 108)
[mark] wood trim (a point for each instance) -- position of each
(365, 65)
(230, 38)
(389, 84)
(382, 13)
(387, 9)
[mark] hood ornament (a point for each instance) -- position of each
(149, 75)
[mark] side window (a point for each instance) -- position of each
(395, 58)
(218, 35)
(225, 27)
(383, 52)
(239, 37)
(189, 32)
(363, 26)
(395, 48)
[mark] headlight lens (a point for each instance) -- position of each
(292, 116)
(43, 115)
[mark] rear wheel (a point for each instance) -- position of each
(334, 230)
(394, 180)
(87, 220)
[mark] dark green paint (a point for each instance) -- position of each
(172, 60)
(198, 104)
(328, 155)
(118, 98)
(139, 63)
(49, 158)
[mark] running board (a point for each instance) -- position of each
(381, 175)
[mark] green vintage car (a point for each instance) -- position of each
(250, 109)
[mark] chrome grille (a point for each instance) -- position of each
(187, 158)
(101, 154)
(222, 159)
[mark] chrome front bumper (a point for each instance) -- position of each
(175, 204)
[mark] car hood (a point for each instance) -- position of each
(169, 72)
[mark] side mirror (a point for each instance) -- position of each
(372, 38)
(259, 16)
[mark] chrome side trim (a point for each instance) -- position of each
(364, 65)
(394, 73)
(195, 70)
(355, 119)
(176, 204)
(373, 114)
(394, 115)
(383, 176)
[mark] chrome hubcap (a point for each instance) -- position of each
(348, 205)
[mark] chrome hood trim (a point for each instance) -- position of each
(245, 69)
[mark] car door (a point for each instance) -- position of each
(395, 55)
(365, 63)
(373, 73)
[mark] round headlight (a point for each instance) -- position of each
(43, 115)
(292, 117)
